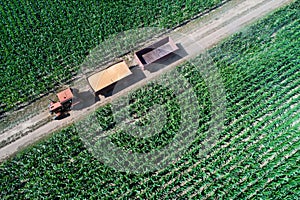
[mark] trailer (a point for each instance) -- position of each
(108, 77)
(154, 52)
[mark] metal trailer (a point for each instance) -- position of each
(155, 52)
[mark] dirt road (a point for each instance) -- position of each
(207, 31)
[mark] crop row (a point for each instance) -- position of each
(246, 160)
(215, 162)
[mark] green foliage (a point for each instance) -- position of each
(255, 156)
(141, 102)
(43, 43)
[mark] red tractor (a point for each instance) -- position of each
(61, 108)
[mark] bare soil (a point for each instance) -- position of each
(205, 32)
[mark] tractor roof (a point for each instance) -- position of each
(65, 95)
(109, 76)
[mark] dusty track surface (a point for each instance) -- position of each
(207, 31)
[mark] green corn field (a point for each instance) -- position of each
(255, 156)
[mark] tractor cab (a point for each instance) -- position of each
(61, 108)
